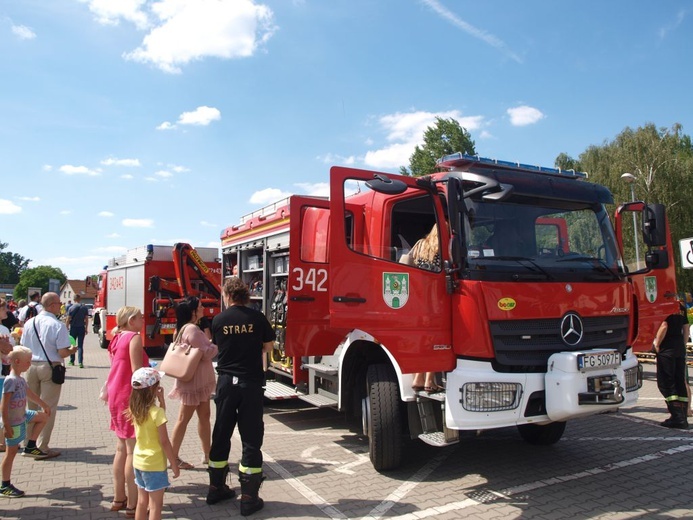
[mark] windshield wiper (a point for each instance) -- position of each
(584, 258)
(520, 259)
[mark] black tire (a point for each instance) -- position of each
(103, 341)
(542, 434)
(383, 417)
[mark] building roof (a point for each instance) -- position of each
(80, 287)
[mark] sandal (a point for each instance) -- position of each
(184, 465)
(130, 512)
(434, 389)
(418, 388)
(117, 505)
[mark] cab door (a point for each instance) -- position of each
(642, 231)
(308, 331)
(404, 308)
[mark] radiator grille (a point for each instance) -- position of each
(526, 345)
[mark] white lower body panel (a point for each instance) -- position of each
(566, 387)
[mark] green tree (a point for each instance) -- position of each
(444, 138)
(37, 277)
(11, 265)
(661, 162)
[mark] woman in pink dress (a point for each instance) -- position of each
(195, 394)
(127, 355)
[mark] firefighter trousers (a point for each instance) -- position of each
(671, 377)
(238, 402)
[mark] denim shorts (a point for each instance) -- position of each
(151, 480)
(19, 430)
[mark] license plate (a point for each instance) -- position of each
(597, 360)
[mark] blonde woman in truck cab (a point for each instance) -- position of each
(426, 255)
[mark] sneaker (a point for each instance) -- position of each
(81, 365)
(71, 363)
(11, 492)
(34, 452)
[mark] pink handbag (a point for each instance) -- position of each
(181, 359)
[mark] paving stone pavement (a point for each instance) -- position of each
(611, 466)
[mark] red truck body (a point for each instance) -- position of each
(154, 278)
(531, 319)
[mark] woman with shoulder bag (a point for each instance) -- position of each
(194, 394)
(127, 355)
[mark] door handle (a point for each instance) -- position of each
(302, 299)
(348, 299)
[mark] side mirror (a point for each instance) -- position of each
(654, 225)
(386, 185)
(657, 259)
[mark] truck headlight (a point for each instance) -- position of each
(490, 397)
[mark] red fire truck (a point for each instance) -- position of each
(530, 319)
(153, 279)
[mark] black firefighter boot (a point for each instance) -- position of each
(250, 487)
(218, 490)
(678, 419)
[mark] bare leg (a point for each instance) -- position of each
(156, 504)
(7, 460)
(204, 429)
(130, 474)
(418, 381)
(119, 470)
(143, 504)
(185, 413)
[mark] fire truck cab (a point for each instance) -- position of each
(529, 315)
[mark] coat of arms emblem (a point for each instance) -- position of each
(396, 289)
(651, 288)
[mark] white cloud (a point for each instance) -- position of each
(331, 158)
(7, 207)
(201, 116)
(47, 168)
(113, 235)
(69, 169)
(138, 222)
(664, 31)
(127, 176)
(109, 12)
(163, 174)
(208, 224)
(268, 195)
(317, 189)
(111, 249)
(105, 214)
(23, 32)
(66, 212)
(112, 161)
(189, 30)
(524, 115)
(29, 199)
(178, 169)
(405, 130)
(482, 35)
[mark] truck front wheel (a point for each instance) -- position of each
(103, 341)
(381, 417)
(542, 434)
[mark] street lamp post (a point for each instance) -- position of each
(630, 179)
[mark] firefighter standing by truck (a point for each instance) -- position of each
(670, 346)
(243, 336)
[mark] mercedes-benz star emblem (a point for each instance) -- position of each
(571, 329)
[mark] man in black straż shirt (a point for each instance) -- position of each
(670, 346)
(243, 336)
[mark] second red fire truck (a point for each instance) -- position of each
(531, 317)
(154, 278)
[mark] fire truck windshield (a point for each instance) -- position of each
(541, 240)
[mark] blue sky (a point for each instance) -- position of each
(128, 122)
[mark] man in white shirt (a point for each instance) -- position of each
(48, 330)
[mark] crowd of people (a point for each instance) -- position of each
(144, 454)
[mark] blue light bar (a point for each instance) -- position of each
(460, 160)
